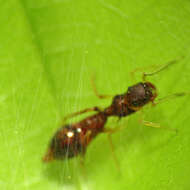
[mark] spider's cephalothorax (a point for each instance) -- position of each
(134, 99)
(140, 94)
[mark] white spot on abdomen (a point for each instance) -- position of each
(70, 134)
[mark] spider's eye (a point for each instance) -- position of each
(147, 93)
(135, 103)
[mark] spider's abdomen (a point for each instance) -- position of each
(72, 140)
(66, 143)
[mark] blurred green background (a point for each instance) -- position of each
(48, 51)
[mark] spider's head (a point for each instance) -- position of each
(140, 94)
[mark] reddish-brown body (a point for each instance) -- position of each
(72, 140)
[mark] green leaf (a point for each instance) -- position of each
(49, 49)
